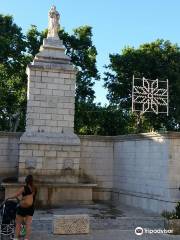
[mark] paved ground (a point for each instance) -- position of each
(106, 223)
(106, 235)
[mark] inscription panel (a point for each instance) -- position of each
(71, 224)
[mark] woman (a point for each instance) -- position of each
(24, 214)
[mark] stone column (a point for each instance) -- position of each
(49, 149)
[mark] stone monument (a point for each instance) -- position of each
(49, 149)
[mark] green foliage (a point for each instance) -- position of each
(175, 214)
(169, 215)
(12, 100)
(13, 62)
(93, 119)
(159, 59)
(12, 42)
(34, 40)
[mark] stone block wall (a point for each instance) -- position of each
(50, 162)
(174, 168)
(9, 154)
(147, 170)
(97, 163)
(139, 170)
(50, 105)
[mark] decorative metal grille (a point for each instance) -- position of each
(150, 96)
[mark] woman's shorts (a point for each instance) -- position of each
(23, 212)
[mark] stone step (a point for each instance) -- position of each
(121, 223)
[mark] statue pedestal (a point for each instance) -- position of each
(49, 149)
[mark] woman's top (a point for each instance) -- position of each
(30, 210)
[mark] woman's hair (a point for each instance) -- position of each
(29, 181)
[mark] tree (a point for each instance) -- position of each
(13, 80)
(12, 100)
(34, 40)
(12, 43)
(94, 119)
(159, 59)
(83, 55)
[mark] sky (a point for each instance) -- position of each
(115, 23)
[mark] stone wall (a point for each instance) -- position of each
(147, 171)
(50, 162)
(97, 163)
(174, 168)
(9, 154)
(139, 170)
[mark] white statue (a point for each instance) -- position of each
(53, 23)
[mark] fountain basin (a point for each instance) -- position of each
(57, 194)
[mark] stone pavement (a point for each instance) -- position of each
(106, 223)
(109, 234)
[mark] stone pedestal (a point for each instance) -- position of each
(49, 149)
